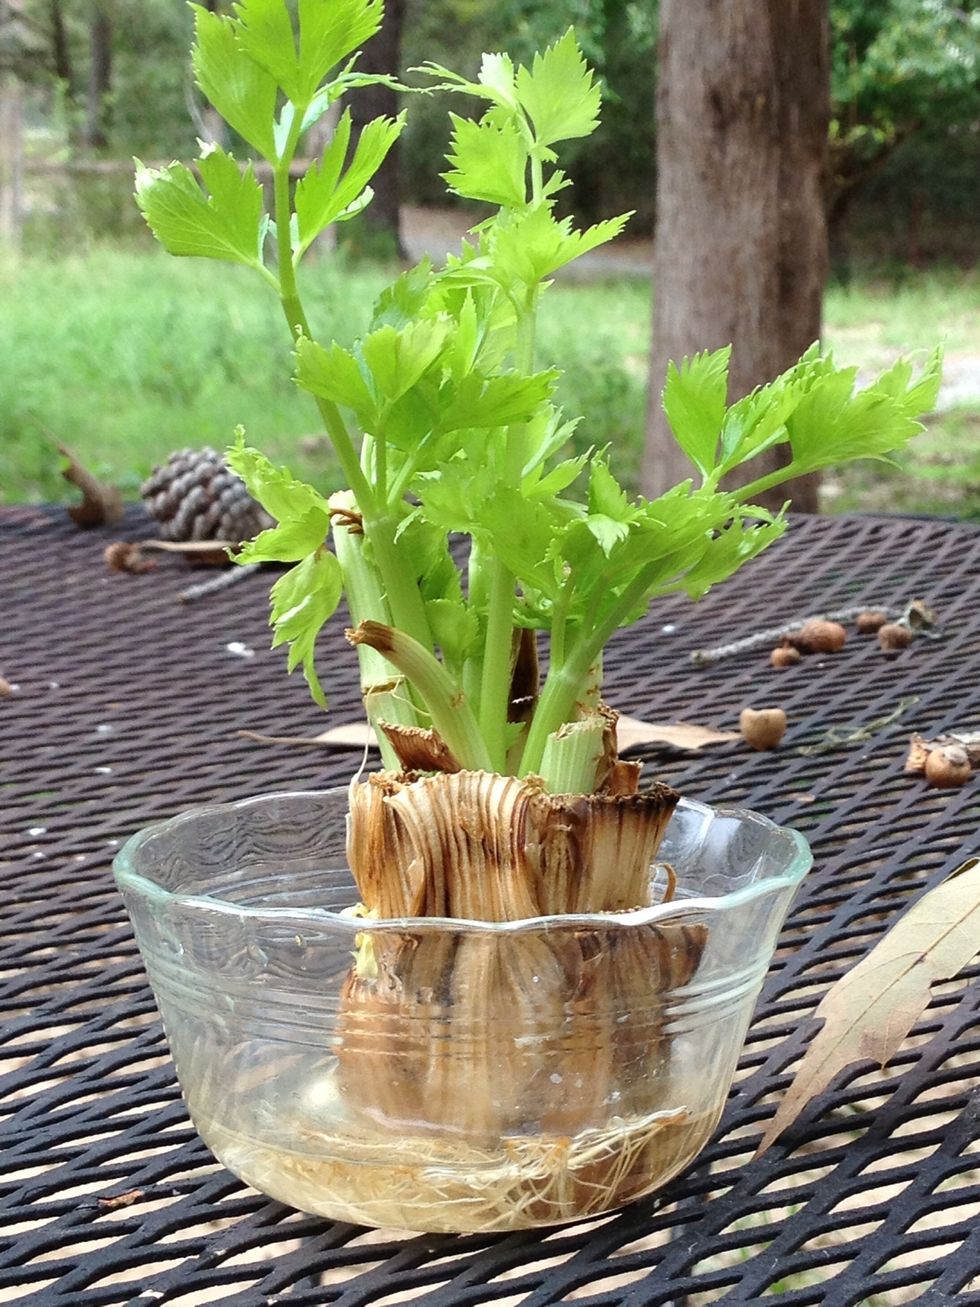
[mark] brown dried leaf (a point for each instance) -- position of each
(122, 1200)
(869, 1011)
(630, 733)
(101, 505)
(919, 748)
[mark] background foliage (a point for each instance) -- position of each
(128, 355)
(906, 97)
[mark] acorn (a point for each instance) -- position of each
(948, 767)
(871, 620)
(762, 728)
(894, 636)
(818, 636)
(785, 655)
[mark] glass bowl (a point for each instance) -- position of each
(558, 1068)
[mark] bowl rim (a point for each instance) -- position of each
(129, 879)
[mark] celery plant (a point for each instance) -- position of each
(442, 417)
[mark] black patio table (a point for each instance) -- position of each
(127, 708)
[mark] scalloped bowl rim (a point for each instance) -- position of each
(798, 864)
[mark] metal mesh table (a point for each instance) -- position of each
(127, 709)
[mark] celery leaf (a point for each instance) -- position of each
(276, 489)
(327, 34)
(560, 93)
(334, 373)
(302, 601)
(497, 401)
(224, 221)
(242, 91)
(489, 161)
(399, 357)
(728, 549)
(324, 196)
(694, 399)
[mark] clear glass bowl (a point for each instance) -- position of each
(562, 1066)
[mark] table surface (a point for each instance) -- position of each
(127, 708)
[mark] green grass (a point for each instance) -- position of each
(127, 354)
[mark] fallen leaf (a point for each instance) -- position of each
(919, 748)
(101, 505)
(871, 1009)
(630, 734)
(6, 689)
(125, 556)
(122, 1200)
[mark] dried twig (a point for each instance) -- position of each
(839, 736)
(223, 581)
(772, 634)
(916, 614)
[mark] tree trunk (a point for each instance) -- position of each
(11, 160)
(100, 76)
(61, 50)
(382, 54)
(743, 107)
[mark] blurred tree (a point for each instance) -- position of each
(618, 37)
(898, 67)
(743, 107)
(383, 54)
(98, 113)
(610, 169)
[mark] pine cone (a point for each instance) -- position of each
(196, 496)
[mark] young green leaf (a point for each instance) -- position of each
(530, 245)
(497, 401)
(324, 196)
(327, 34)
(694, 399)
(335, 374)
(728, 549)
(560, 93)
(406, 298)
(607, 496)
(292, 540)
(302, 601)
(831, 425)
(226, 221)
(920, 397)
(489, 162)
(330, 32)
(276, 489)
(399, 358)
(241, 90)
(495, 81)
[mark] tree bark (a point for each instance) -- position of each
(100, 76)
(743, 108)
(382, 54)
(61, 50)
(11, 160)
